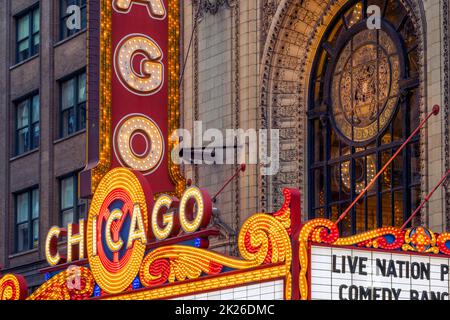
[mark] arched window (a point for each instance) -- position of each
(364, 103)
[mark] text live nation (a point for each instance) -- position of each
(387, 268)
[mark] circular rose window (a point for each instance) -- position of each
(365, 85)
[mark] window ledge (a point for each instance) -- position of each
(21, 254)
(17, 65)
(61, 42)
(69, 136)
(23, 155)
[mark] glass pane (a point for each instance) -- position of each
(35, 204)
(36, 43)
(398, 126)
(22, 208)
(67, 193)
(68, 99)
(35, 233)
(82, 88)
(67, 217)
(67, 3)
(414, 112)
(23, 27)
(35, 109)
(415, 202)
(335, 183)
(319, 190)
(319, 213)
(354, 15)
(360, 175)
(335, 145)
(394, 12)
(386, 177)
(346, 177)
(22, 237)
(36, 20)
(371, 213)
(334, 213)
(23, 141)
(23, 48)
(415, 163)
(346, 224)
(360, 208)
(83, 18)
(82, 207)
(23, 117)
(319, 136)
(397, 174)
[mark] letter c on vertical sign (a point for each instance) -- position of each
(150, 77)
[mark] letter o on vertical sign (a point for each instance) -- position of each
(150, 77)
(133, 128)
(190, 219)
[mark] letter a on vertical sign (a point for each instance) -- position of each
(133, 100)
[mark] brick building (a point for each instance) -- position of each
(42, 128)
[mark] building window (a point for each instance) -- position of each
(72, 208)
(27, 34)
(363, 104)
(27, 124)
(27, 220)
(65, 30)
(73, 104)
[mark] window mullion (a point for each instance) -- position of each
(30, 34)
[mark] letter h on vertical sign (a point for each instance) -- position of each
(133, 98)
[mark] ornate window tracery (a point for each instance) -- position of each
(364, 103)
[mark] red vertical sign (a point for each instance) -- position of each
(133, 92)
